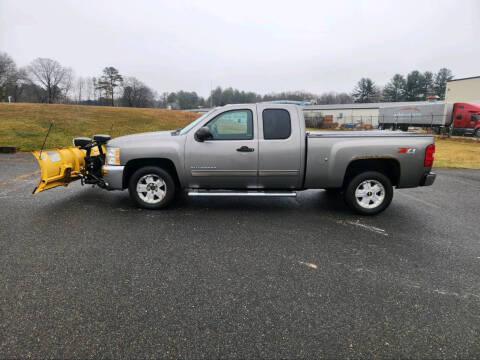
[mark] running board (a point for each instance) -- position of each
(241, 193)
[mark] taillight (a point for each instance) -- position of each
(429, 153)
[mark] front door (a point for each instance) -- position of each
(230, 159)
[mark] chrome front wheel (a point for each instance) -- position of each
(151, 188)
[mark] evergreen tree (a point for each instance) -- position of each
(366, 91)
(110, 79)
(414, 90)
(395, 89)
(440, 82)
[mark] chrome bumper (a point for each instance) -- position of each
(428, 179)
(113, 176)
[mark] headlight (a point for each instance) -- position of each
(113, 156)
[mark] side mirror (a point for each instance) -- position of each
(203, 134)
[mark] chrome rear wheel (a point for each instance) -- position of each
(370, 194)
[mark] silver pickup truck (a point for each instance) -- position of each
(247, 150)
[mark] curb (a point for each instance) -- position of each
(8, 149)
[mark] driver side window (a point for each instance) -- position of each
(232, 125)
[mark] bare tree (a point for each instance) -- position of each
(334, 98)
(137, 94)
(67, 84)
(80, 88)
(89, 89)
(18, 84)
(95, 88)
(50, 76)
(8, 73)
(163, 101)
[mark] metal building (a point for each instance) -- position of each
(355, 114)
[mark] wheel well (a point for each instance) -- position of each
(388, 167)
(134, 165)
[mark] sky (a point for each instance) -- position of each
(261, 46)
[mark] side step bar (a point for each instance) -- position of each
(195, 192)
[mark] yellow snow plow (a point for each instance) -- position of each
(59, 167)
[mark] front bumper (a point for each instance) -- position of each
(428, 179)
(113, 176)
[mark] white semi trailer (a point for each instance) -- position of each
(456, 119)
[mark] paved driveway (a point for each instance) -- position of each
(84, 273)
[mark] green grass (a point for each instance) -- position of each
(455, 153)
(25, 125)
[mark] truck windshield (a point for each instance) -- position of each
(192, 124)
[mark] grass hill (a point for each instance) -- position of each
(24, 125)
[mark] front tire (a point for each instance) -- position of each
(477, 133)
(152, 188)
(369, 193)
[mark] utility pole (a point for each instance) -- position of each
(211, 91)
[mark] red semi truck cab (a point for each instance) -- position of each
(466, 119)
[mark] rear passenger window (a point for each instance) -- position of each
(276, 124)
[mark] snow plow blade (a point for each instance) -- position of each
(84, 160)
(59, 167)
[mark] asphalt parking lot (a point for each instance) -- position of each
(83, 273)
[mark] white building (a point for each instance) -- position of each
(463, 90)
(345, 113)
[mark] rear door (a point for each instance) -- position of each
(230, 159)
(279, 147)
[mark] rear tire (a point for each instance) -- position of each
(152, 188)
(369, 193)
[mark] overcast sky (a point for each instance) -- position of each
(262, 46)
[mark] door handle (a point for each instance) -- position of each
(245, 149)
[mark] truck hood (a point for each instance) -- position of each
(140, 138)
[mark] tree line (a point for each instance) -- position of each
(416, 86)
(47, 81)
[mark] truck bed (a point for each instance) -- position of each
(329, 154)
(363, 133)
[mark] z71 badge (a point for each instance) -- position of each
(410, 151)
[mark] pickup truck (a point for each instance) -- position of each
(247, 150)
